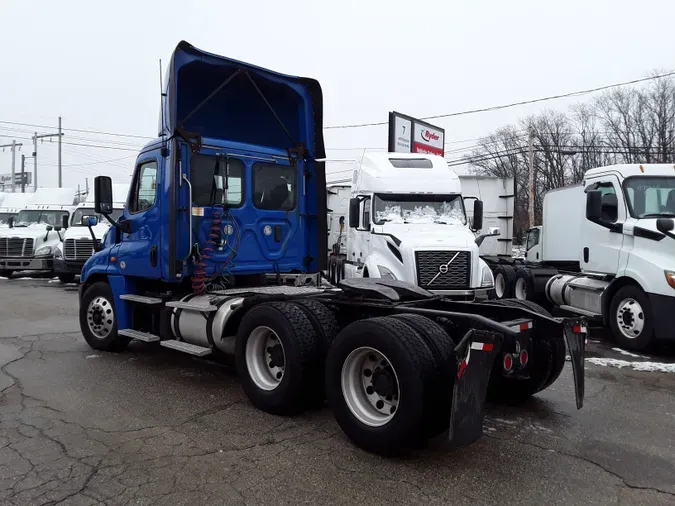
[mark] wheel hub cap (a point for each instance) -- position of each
(370, 386)
(630, 318)
(265, 358)
(100, 317)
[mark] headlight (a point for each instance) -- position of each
(385, 273)
(670, 278)
(44, 251)
(487, 279)
(58, 253)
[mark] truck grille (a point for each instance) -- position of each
(16, 247)
(436, 270)
(78, 249)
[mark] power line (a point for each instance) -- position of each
(81, 130)
(515, 104)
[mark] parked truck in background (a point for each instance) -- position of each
(605, 250)
(408, 221)
(29, 242)
(220, 249)
(10, 206)
(79, 237)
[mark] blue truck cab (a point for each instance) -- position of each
(221, 248)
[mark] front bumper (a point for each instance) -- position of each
(470, 295)
(663, 308)
(27, 264)
(62, 266)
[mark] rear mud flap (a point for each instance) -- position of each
(576, 332)
(476, 353)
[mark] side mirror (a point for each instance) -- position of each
(89, 221)
(103, 195)
(593, 205)
(64, 221)
(494, 231)
(10, 222)
(665, 225)
(477, 215)
(354, 213)
(49, 228)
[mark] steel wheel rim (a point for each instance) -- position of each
(359, 378)
(265, 358)
(100, 317)
(630, 318)
(521, 289)
(500, 285)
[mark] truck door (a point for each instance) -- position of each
(139, 250)
(602, 243)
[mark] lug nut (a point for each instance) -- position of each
(367, 373)
(379, 404)
(370, 390)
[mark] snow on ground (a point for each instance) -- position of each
(636, 366)
(518, 251)
(627, 353)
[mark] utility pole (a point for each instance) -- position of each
(23, 173)
(59, 134)
(13, 146)
(531, 178)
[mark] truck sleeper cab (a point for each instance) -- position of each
(219, 251)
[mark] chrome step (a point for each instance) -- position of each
(141, 299)
(192, 349)
(202, 307)
(137, 334)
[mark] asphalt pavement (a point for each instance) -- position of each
(153, 426)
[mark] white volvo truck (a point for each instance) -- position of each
(29, 242)
(606, 250)
(78, 243)
(406, 220)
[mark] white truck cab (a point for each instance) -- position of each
(407, 221)
(29, 242)
(78, 243)
(10, 206)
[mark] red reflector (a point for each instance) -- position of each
(508, 362)
(487, 346)
(524, 326)
(462, 368)
(524, 357)
(482, 346)
(578, 329)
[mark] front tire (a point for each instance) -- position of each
(5, 273)
(276, 355)
(97, 319)
(631, 319)
(379, 381)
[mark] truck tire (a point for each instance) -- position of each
(523, 288)
(97, 319)
(557, 345)
(505, 277)
(276, 353)
(631, 319)
(66, 278)
(370, 366)
(326, 328)
(4, 273)
(442, 347)
(505, 390)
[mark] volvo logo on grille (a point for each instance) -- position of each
(443, 269)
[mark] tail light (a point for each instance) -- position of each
(523, 357)
(508, 362)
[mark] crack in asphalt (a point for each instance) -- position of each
(587, 460)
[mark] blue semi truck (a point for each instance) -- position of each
(220, 251)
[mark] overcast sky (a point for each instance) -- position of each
(96, 63)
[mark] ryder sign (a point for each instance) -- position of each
(410, 135)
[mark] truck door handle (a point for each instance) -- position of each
(153, 256)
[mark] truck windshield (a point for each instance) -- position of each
(444, 209)
(40, 216)
(650, 197)
(89, 211)
(4, 217)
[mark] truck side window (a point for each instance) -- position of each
(205, 190)
(274, 186)
(532, 238)
(610, 203)
(365, 213)
(145, 187)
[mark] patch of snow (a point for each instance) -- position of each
(54, 280)
(507, 422)
(636, 366)
(627, 353)
(92, 356)
(2, 277)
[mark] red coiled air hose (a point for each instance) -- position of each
(207, 252)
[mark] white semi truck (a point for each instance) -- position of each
(11, 204)
(605, 251)
(29, 242)
(403, 217)
(78, 238)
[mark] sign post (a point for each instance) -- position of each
(410, 135)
